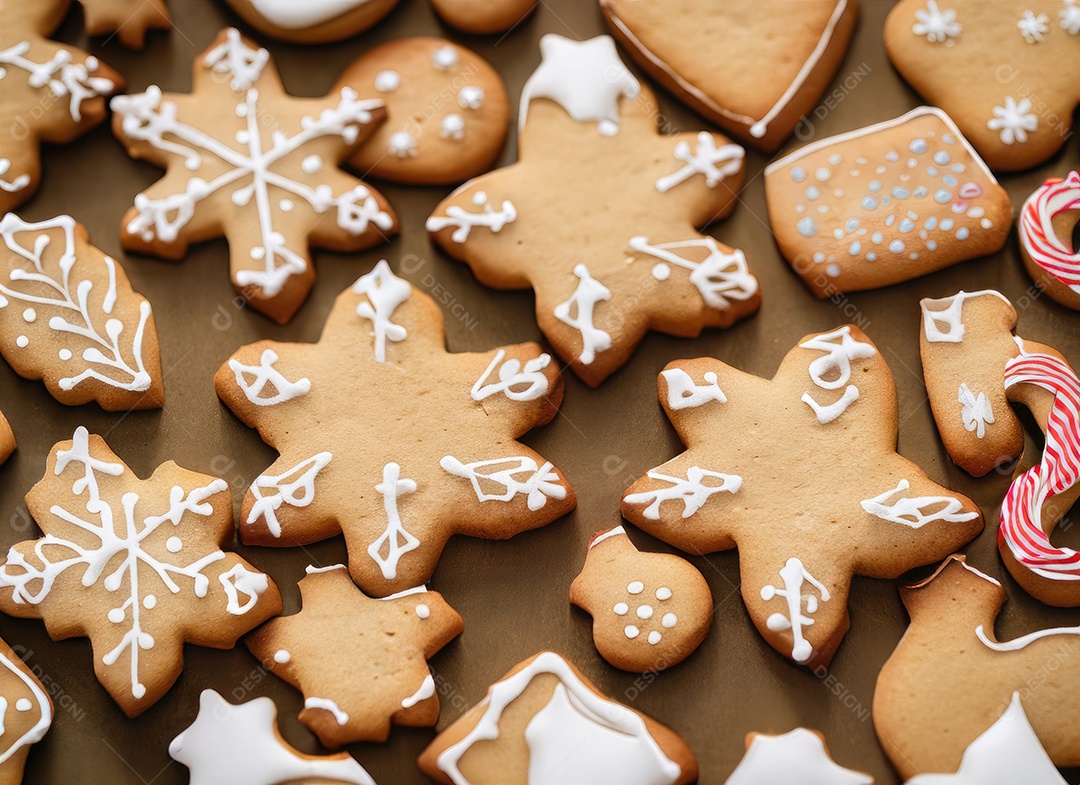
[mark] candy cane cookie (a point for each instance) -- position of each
(1047, 221)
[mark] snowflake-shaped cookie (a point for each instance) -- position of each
(382, 438)
(272, 189)
(127, 19)
(801, 474)
(134, 565)
(390, 683)
(49, 93)
(598, 215)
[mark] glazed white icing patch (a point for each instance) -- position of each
(916, 511)
(801, 605)
(238, 745)
(943, 318)
(1007, 753)
(833, 370)
(578, 738)
(301, 14)
(796, 757)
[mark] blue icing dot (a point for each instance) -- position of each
(877, 237)
(852, 224)
(918, 146)
(949, 180)
(874, 186)
(838, 234)
(798, 174)
(931, 245)
(941, 157)
(958, 167)
(819, 257)
(869, 203)
(962, 233)
(835, 159)
(855, 248)
(931, 223)
(948, 139)
(942, 197)
(893, 156)
(906, 226)
(806, 227)
(947, 224)
(900, 193)
(871, 257)
(861, 232)
(822, 174)
(812, 193)
(914, 216)
(920, 192)
(896, 246)
(932, 171)
(890, 220)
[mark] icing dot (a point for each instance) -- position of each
(149, 601)
(871, 257)
(869, 203)
(311, 164)
(387, 81)
(931, 223)
(877, 237)
(29, 315)
(243, 137)
(838, 193)
(798, 174)
(893, 156)
(920, 192)
(807, 227)
(912, 163)
(116, 615)
(22, 341)
(669, 620)
(976, 212)
(281, 656)
(800, 208)
(900, 193)
(812, 193)
(838, 234)
(918, 146)
(479, 198)
(896, 246)
(962, 233)
(636, 587)
(950, 180)
(874, 186)
(931, 245)
(661, 272)
(855, 248)
(833, 270)
(855, 172)
(986, 223)
(959, 168)
(881, 170)
(948, 138)
(241, 110)
(621, 609)
(23, 704)
(444, 57)
(423, 611)
(822, 175)
(932, 171)
(65, 354)
(644, 611)
(452, 127)
(655, 637)
(834, 159)
(819, 257)
(941, 157)
(631, 631)
(822, 208)
(852, 224)
(663, 593)
(286, 205)
(947, 224)
(907, 226)
(174, 544)
(470, 97)
(402, 144)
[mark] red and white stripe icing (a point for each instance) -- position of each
(1059, 469)
(1037, 232)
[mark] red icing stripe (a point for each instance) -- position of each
(1037, 234)
(1021, 512)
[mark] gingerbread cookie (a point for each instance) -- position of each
(361, 663)
(397, 493)
(483, 17)
(49, 91)
(1008, 752)
(1004, 70)
(885, 204)
(950, 658)
(1045, 227)
(230, 744)
(551, 725)
(128, 19)
(448, 111)
(7, 439)
(832, 405)
(272, 195)
(974, 368)
(798, 756)
(602, 279)
(699, 51)
(312, 21)
(134, 565)
(69, 316)
(650, 610)
(26, 712)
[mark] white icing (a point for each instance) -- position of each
(44, 708)
(423, 611)
(578, 738)
(616, 532)
(1007, 753)
(948, 312)
(239, 582)
(1033, 28)
(586, 78)
(452, 127)
(1070, 17)
(444, 58)
(976, 412)
(281, 656)
(583, 303)
(64, 78)
(325, 704)
(515, 476)
(1026, 640)
(294, 487)
(387, 81)
(692, 491)
(69, 296)
(426, 691)
(684, 393)
(517, 382)
(311, 569)
(465, 222)
(470, 97)
(798, 756)
(719, 277)
(840, 350)
(395, 538)
(296, 15)
(714, 163)
(265, 373)
(937, 25)
(121, 535)
(402, 144)
(239, 745)
(385, 292)
(794, 576)
(1014, 120)
(916, 511)
(249, 175)
(18, 183)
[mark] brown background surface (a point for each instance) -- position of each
(512, 594)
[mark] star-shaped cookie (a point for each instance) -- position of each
(799, 756)
(390, 439)
(49, 93)
(599, 214)
(273, 190)
(128, 19)
(800, 473)
(26, 713)
(361, 663)
(134, 565)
